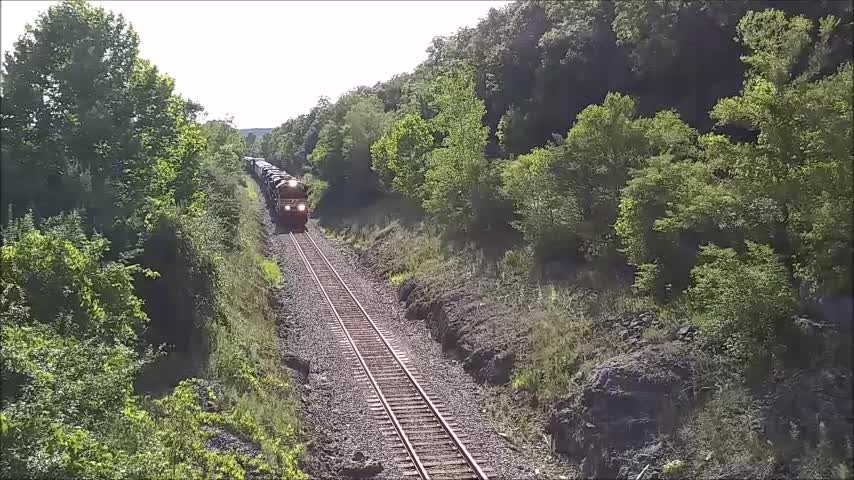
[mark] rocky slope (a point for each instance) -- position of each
(665, 405)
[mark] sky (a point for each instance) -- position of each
(264, 62)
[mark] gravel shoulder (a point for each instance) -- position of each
(337, 420)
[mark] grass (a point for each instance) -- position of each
(244, 354)
(251, 190)
(571, 332)
(270, 271)
(724, 436)
(564, 339)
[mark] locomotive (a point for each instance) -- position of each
(285, 193)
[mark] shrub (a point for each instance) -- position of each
(742, 300)
(726, 434)
(317, 187)
(270, 271)
(548, 214)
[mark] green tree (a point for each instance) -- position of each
(88, 124)
(460, 185)
(666, 210)
(342, 151)
(364, 123)
(69, 352)
(399, 156)
(221, 175)
(744, 301)
(594, 160)
(547, 216)
(802, 159)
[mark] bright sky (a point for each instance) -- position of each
(264, 62)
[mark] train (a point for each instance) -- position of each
(286, 194)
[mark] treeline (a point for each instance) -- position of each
(122, 233)
(706, 144)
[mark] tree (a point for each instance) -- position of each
(88, 124)
(547, 216)
(399, 156)
(459, 184)
(744, 301)
(801, 160)
(364, 122)
(667, 209)
(592, 163)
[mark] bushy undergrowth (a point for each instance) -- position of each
(72, 348)
(744, 303)
(244, 356)
(572, 331)
(136, 269)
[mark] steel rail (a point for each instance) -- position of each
(434, 410)
(419, 466)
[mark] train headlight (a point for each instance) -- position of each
(292, 183)
(287, 207)
(301, 207)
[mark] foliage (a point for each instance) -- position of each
(399, 156)
(220, 173)
(742, 302)
(665, 209)
(64, 284)
(88, 124)
(95, 140)
(270, 271)
(342, 152)
(801, 160)
(71, 336)
(70, 325)
(547, 217)
(459, 184)
(726, 432)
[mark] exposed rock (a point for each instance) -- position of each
(361, 469)
(629, 399)
(204, 388)
(222, 440)
(498, 369)
(490, 366)
(300, 365)
(685, 331)
(405, 289)
(810, 405)
(450, 317)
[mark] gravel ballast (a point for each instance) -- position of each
(337, 419)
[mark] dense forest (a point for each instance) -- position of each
(705, 144)
(129, 338)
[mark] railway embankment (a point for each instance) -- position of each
(343, 435)
(607, 380)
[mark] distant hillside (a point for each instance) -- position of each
(259, 132)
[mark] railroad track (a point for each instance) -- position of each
(423, 434)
